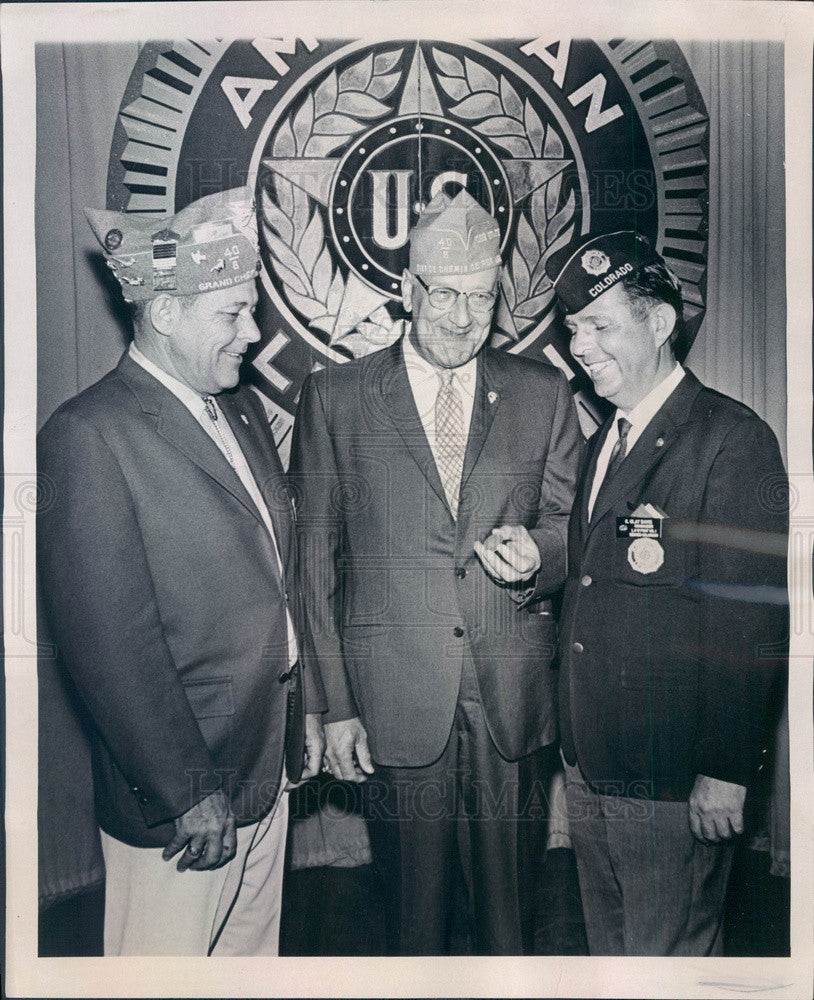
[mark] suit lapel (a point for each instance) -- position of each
(484, 409)
(264, 465)
(587, 478)
(394, 385)
(654, 443)
(177, 426)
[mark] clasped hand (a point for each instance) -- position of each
(509, 554)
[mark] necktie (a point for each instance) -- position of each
(619, 450)
(212, 413)
(449, 438)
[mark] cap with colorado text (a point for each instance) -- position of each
(598, 264)
(454, 236)
(209, 244)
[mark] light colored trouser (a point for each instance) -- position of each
(648, 887)
(153, 909)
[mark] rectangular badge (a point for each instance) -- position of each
(638, 527)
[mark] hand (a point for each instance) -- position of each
(208, 833)
(559, 829)
(716, 809)
(344, 739)
(314, 745)
(509, 554)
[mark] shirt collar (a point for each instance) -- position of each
(191, 399)
(644, 411)
(422, 371)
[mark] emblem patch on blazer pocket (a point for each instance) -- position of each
(645, 555)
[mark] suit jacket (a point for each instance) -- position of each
(395, 594)
(162, 591)
(666, 673)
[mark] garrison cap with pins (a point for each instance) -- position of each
(599, 263)
(209, 244)
(454, 236)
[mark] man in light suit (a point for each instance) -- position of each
(674, 614)
(167, 566)
(433, 481)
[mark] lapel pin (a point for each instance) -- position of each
(245, 419)
(659, 442)
(492, 397)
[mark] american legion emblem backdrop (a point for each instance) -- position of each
(343, 141)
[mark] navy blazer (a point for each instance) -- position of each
(395, 594)
(161, 587)
(666, 668)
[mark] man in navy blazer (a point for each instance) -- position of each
(434, 480)
(168, 573)
(674, 614)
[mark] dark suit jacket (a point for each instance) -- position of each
(666, 675)
(396, 595)
(160, 585)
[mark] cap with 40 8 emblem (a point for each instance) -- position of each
(209, 244)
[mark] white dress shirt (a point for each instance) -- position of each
(228, 445)
(639, 417)
(425, 382)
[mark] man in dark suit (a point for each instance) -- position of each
(434, 480)
(167, 560)
(674, 614)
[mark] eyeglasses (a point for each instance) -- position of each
(446, 298)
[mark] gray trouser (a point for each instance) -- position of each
(648, 887)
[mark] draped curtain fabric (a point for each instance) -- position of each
(81, 332)
(740, 348)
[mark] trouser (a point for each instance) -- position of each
(153, 909)
(470, 807)
(648, 887)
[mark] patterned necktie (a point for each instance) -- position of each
(449, 438)
(619, 450)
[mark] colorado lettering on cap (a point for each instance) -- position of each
(613, 255)
(611, 279)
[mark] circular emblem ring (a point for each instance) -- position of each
(344, 141)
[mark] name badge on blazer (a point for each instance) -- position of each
(643, 527)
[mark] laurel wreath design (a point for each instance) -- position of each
(493, 108)
(343, 105)
(340, 107)
(526, 286)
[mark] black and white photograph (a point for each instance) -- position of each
(408, 499)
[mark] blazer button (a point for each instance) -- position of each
(460, 573)
(457, 631)
(578, 647)
(286, 676)
(586, 581)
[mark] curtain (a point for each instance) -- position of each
(80, 333)
(741, 347)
